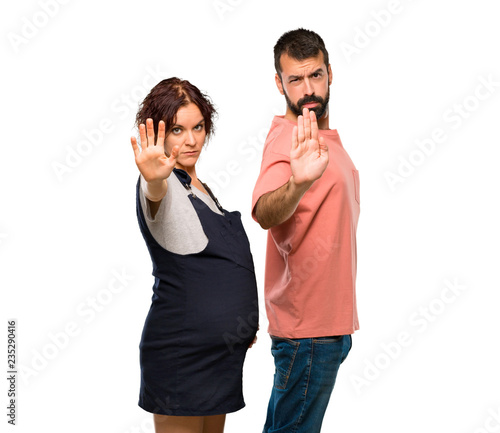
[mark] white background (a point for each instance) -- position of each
(62, 236)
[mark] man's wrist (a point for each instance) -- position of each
(298, 188)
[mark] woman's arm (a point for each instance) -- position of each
(155, 166)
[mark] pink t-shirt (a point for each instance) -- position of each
(310, 277)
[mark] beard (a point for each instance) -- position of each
(319, 110)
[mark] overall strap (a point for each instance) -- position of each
(185, 180)
(211, 194)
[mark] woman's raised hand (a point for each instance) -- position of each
(153, 163)
(309, 154)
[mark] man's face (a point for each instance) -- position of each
(305, 83)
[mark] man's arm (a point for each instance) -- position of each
(277, 206)
(308, 161)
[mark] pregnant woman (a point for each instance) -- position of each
(204, 311)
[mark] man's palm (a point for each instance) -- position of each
(309, 154)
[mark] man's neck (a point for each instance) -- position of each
(323, 123)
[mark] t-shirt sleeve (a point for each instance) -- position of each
(164, 205)
(275, 168)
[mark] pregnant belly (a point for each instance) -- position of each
(212, 311)
(224, 309)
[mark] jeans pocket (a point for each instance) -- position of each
(350, 346)
(284, 351)
(347, 350)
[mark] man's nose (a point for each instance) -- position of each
(308, 89)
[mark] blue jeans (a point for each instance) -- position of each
(306, 370)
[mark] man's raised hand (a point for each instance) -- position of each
(309, 154)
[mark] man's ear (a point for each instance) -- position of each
(279, 84)
(330, 75)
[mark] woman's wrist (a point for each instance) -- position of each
(154, 190)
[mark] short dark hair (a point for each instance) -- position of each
(165, 99)
(299, 44)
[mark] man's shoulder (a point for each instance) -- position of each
(279, 138)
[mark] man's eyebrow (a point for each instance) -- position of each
(296, 77)
(317, 71)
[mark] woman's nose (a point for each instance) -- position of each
(190, 139)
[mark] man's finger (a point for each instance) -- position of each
(295, 141)
(323, 148)
(314, 126)
(307, 124)
(300, 125)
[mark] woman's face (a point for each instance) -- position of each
(188, 133)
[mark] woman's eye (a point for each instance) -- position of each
(176, 131)
(198, 128)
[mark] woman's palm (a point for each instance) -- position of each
(151, 159)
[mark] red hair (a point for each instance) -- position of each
(165, 99)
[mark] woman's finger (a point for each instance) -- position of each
(142, 134)
(137, 152)
(161, 133)
(150, 131)
(174, 154)
(253, 342)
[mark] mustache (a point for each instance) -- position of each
(310, 98)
